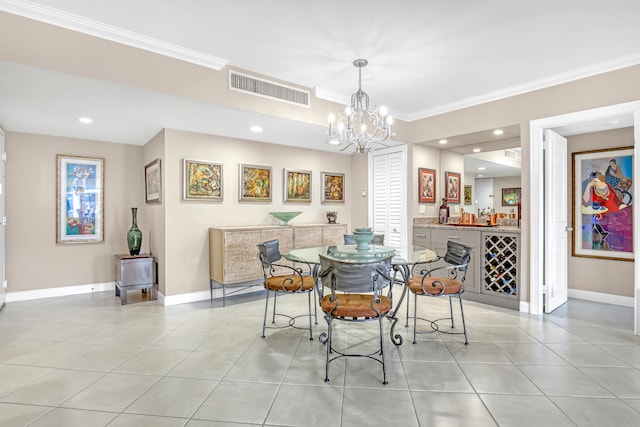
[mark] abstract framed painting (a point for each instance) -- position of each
(202, 181)
(332, 187)
(452, 186)
(297, 186)
(426, 185)
(153, 182)
(254, 183)
(511, 196)
(602, 204)
(80, 199)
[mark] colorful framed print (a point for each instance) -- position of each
(602, 204)
(426, 185)
(468, 199)
(511, 196)
(255, 183)
(80, 198)
(153, 182)
(297, 186)
(452, 186)
(202, 181)
(332, 187)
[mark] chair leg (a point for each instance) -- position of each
(328, 344)
(451, 311)
(415, 315)
(384, 366)
(275, 297)
(266, 308)
(464, 326)
(310, 321)
(315, 306)
(406, 323)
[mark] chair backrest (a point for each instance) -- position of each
(269, 251)
(362, 277)
(378, 239)
(458, 254)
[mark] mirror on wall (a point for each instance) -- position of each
(491, 164)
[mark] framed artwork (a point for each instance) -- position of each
(297, 186)
(153, 182)
(80, 197)
(426, 185)
(468, 199)
(332, 187)
(202, 181)
(510, 196)
(452, 186)
(602, 204)
(254, 183)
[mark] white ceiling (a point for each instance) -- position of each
(424, 58)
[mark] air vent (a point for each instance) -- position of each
(266, 89)
(512, 154)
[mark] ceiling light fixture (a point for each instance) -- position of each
(85, 120)
(256, 129)
(498, 132)
(360, 127)
(442, 141)
(476, 150)
(481, 168)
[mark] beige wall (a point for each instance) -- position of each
(33, 259)
(593, 274)
(186, 222)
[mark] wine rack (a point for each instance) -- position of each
(500, 265)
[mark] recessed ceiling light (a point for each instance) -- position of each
(498, 132)
(85, 120)
(476, 150)
(480, 176)
(443, 141)
(255, 129)
(481, 168)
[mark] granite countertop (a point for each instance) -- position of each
(496, 229)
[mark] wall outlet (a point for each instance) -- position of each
(422, 209)
(456, 209)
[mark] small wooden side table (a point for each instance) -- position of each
(135, 272)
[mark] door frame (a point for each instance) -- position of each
(536, 198)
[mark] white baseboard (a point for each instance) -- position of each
(204, 295)
(59, 292)
(600, 297)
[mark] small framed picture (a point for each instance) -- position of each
(468, 199)
(332, 187)
(153, 182)
(202, 181)
(80, 197)
(510, 196)
(426, 185)
(452, 186)
(297, 186)
(254, 183)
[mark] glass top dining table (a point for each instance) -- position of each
(403, 260)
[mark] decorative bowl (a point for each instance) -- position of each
(362, 240)
(285, 217)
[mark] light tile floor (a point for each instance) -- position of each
(88, 361)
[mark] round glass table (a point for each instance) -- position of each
(403, 260)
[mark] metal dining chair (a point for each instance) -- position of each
(450, 284)
(355, 296)
(285, 279)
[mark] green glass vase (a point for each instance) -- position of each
(134, 235)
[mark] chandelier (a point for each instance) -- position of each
(360, 127)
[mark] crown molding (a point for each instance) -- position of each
(580, 73)
(90, 27)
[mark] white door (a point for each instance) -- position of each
(3, 281)
(555, 219)
(388, 195)
(484, 194)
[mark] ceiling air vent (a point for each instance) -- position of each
(266, 89)
(512, 154)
